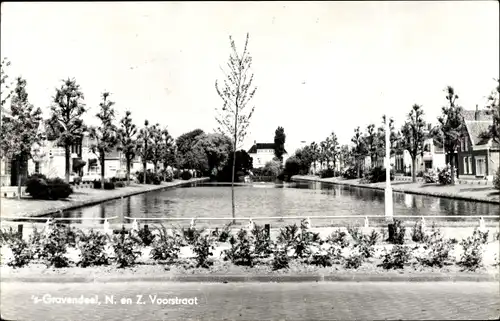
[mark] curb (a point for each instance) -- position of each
(354, 277)
(399, 190)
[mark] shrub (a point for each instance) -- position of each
(420, 174)
(145, 236)
(397, 257)
(437, 250)
(302, 242)
(472, 255)
(21, 252)
(444, 176)
(242, 249)
(399, 231)
(351, 173)
(107, 185)
(354, 260)
(496, 179)
(203, 247)
(355, 233)
(222, 235)
(123, 246)
(338, 238)
(7, 235)
(53, 247)
(120, 184)
(191, 234)
(322, 258)
(280, 259)
(93, 249)
(377, 174)
(418, 233)
(151, 178)
(262, 241)
(42, 188)
(186, 175)
(327, 173)
(430, 176)
(166, 247)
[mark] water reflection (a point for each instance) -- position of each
(294, 199)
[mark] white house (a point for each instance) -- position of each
(262, 153)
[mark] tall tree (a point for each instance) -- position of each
(333, 150)
(236, 93)
(217, 147)
(169, 151)
(279, 143)
(105, 135)
(6, 85)
(393, 138)
(19, 130)
(413, 136)
(127, 140)
(344, 156)
(186, 157)
(359, 149)
(371, 142)
(65, 124)
(157, 146)
(314, 148)
(494, 110)
(143, 148)
(450, 128)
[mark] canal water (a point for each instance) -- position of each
(290, 199)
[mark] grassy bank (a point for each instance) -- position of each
(27, 206)
(471, 192)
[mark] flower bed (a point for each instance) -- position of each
(295, 250)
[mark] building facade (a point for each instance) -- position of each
(263, 153)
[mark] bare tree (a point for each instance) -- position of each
(236, 92)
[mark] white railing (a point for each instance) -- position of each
(12, 218)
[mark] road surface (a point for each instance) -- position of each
(252, 301)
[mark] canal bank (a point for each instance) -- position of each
(26, 206)
(478, 193)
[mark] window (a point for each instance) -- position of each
(37, 167)
(466, 141)
(470, 165)
(466, 165)
(480, 166)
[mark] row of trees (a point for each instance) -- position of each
(448, 132)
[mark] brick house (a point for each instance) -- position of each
(477, 157)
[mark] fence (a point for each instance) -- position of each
(480, 220)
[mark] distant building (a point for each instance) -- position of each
(262, 153)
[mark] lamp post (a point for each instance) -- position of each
(388, 188)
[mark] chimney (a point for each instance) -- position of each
(476, 114)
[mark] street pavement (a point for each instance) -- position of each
(252, 301)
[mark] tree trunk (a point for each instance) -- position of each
(144, 171)
(414, 169)
(359, 168)
(66, 162)
(19, 159)
(334, 167)
(102, 168)
(452, 170)
(128, 171)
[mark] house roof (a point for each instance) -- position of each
(476, 129)
(258, 146)
(470, 115)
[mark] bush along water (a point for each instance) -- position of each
(124, 249)
(40, 187)
(397, 258)
(242, 251)
(54, 247)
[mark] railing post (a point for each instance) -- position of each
(251, 225)
(135, 226)
(47, 227)
(366, 222)
(482, 226)
(106, 227)
(308, 222)
(20, 230)
(191, 225)
(423, 223)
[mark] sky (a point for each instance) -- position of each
(318, 66)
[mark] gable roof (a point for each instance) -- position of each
(258, 146)
(470, 115)
(475, 130)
